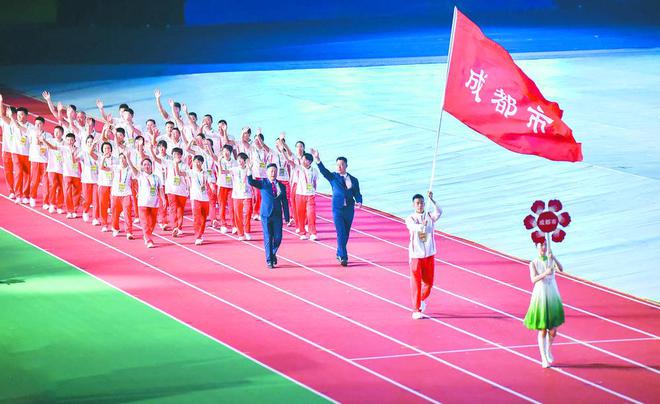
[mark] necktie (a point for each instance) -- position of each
(274, 188)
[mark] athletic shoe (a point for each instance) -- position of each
(255, 217)
(175, 232)
(17, 200)
(248, 237)
(270, 265)
(544, 364)
(223, 229)
(313, 237)
(33, 203)
(136, 221)
(25, 201)
(95, 222)
(51, 209)
(417, 315)
(179, 232)
(343, 263)
(74, 215)
(129, 236)
(241, 238)
(199, 241)
(60, 211)
(150, 244)
(68, 216)
(115, 233)
(214, 223)
(291, 223)
(234, 230)
(85, 217)
(274, 260)
(303, 237)
(12, 195)
(104, 229)
(297, 231)
(45, 207)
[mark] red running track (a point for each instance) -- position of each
(347, 333)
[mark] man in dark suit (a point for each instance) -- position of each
(345, 197)
(273, 202)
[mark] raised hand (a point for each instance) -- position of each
(315, 153)
(170, 102)
(46, 95)
(157, 93)
(99, 104)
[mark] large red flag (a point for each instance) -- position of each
(488, 92)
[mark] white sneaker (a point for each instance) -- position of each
(25, 201)
(422, 306)
(129, 236)
(214, 223)
(313, 237)
(95, 222)
(234, 230)
(417, 315)
(17, 200)
(136, 221)
(104, 229)
(544, 364)
(85, 217)
(115, 233)
(255, 217)
(241, 238)
(51, 209)
(303, 237)
(33, 203)
(150, 244)
(199, 241)
(74, 215)
(68, 216)
(297, 231)
(60, 211)
(179, 232)
(45, 207)
(223, 229)
(248, 237)
(12, 195)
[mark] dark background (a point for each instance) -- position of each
(232, 31)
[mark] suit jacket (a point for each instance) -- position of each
(271, 205)
(342, 196)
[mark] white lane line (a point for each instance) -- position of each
(450, 351)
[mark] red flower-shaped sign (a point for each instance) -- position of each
(547, 221)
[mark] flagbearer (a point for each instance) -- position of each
(421, 252)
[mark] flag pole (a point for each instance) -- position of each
(442, 109)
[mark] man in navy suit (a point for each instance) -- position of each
(273, 202)
(345, 197)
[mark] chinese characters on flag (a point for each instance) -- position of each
(488, 92)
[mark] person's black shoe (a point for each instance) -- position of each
(338, 259)
(274, 260)
(270, 265)
(344, 262)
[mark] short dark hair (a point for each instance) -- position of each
(176, 129)
(59, 127)
(71, 135)
(162, 143)
(342, 158)
(106, 143)
(22, 109)
(202, 135)
(209, 116)
(417, 196)
(177, 150)
(13, 110)
(93, 121)
(147, 159)
(271, 165)
(260, 136)
(121, 130)
(130, 111)
(222, 121)
(123, 106)
(243, 156)
(308, 157)
(177, 104)
(151, 120)
(40, 119)
(199, 158)
(193, 114)
(210, 142)
(228, 147)
(73, 107)
(89, 137)
(170, 123)
(301, 142)
(139, 137)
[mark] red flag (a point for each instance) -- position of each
(488, 92)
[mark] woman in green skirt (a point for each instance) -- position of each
(546, 312)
